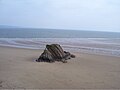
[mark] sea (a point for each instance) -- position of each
(91, 42)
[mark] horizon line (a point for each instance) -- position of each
(8, 26)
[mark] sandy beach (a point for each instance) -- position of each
(18, 69)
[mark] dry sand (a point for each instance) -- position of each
(19, 70)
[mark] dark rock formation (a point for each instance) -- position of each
(54, 52)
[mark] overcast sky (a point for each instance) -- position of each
(99, 15)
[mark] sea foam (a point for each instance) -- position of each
(102, 46)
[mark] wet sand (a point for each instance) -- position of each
(18, 69)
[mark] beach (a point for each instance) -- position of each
(59, 44)
(19, 70)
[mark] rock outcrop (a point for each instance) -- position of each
(54, 52)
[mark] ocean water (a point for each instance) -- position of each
(102, 43)
(52, 33)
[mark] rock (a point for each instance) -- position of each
(45, 57)
(72, 56)
(54, 52)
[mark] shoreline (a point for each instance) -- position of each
(66, 50)
(99, 46)
(18, 70)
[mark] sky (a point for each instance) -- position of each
(97, 15)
